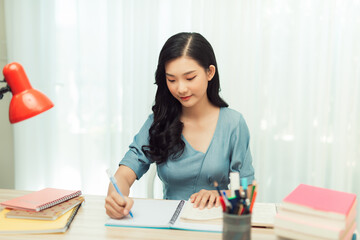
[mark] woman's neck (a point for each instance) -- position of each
(198, 111)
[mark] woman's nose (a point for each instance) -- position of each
(182, 87)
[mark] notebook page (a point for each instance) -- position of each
(148, 213)
(263, 214)
(191, 213)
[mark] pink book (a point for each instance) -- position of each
(320, 201)
(39, 200)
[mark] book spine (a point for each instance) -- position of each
(177, 212)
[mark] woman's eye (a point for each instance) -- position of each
(171, 80)
(191, 78)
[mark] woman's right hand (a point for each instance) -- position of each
(116, 206)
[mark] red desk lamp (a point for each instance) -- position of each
(26, 101)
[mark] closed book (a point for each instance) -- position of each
(286, 230)
(310, 212)
(39, 200)
(26, 226)
(49, 214)
(320, 201)
(313, 218)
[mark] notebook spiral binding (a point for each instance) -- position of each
(60, 200)
(177, 212)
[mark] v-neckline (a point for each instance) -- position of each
(212, 139)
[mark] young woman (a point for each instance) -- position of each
(192, 135)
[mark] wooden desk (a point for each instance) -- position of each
(89, 223)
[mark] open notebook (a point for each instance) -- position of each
(174, 214)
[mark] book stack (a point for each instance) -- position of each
(310, 212)
(49, 210)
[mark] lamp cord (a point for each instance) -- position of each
(4, 90)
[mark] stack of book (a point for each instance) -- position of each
(49, 210)
(310, 212)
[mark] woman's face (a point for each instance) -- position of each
(188, 81)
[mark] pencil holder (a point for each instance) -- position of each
(236, 227)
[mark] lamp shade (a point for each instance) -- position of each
(26, 101)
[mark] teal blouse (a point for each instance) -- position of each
(228, 151)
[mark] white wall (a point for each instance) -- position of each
(6, 130)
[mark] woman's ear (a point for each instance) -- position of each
(211, 72)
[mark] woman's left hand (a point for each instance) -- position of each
(205, 197)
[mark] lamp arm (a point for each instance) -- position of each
(4, 90)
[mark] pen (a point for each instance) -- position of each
(113, 181)
(244, 185)
(233, 201)
(222, 202)
(246, 201)
(217, 187)
(227, 203)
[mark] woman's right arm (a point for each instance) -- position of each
(116, 206)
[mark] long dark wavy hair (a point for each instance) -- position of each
(165, 132)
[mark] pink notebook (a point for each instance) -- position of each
(319, 199)
(37, 201)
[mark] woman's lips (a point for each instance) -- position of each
(185, 98)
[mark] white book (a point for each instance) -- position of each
(314, 229)
(291, 234)
(313, 218)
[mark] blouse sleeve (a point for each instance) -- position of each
(135, 158)
(241, 159)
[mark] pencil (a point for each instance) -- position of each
(253, 201)
(252, 192)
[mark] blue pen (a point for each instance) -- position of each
(113, 181)
(244, 185)
(227, 202)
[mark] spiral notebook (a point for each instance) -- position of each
(49, 214)
(161, 214)
(39, 200)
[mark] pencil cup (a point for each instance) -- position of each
(236, 227)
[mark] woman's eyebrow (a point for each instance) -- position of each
(189, 72)
(170, 75)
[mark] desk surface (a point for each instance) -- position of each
(89, 223)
